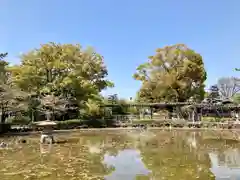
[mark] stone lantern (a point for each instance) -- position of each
(47, 132)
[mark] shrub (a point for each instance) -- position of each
(78, 123)
(5, 127)
(18, 120)
(178, 123)
(96, 123)
(70, 124)
(110, 122)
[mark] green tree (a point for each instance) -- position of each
(11, 98)
(213, 95)
(206, 94)
(11, 101)
(174, 73)
(62, 70)
(3, 68)
(93, 109)
(52, 105)
(236, 98)
(33, 106)
(122, 105)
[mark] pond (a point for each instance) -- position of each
(123, 155)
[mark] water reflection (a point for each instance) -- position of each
(45, 148)
(125, 155)
(192, 141)
(127, 164)
(226, 164)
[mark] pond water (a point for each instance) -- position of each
(124, 155)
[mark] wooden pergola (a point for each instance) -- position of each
(196, 109)
(151, 105)
(170, 106)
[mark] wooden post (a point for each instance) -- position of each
(151, 110)
(170, 111)
(194, 115)
(178, 112)
(189, 116)
(193, 118)
(199, 117)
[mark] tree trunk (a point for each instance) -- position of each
(151, 112)
(32, 115)
(53, 115)
(3, 117)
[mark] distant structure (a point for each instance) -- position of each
(195, 111)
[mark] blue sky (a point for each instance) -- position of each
(126, 32)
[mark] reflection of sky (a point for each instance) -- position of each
(223, 171)
(127, 165)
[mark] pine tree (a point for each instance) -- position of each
(213, 94)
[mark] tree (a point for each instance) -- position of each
(214, 92)
(206, 94)
(236, 98)
(237, 69)
(3, 55)
(228, 86)
(11, 101)
(64, 69)
(33, 106)
(52, 105)
(11, 98)
(93, 109)
(174, 73)
(3, 68)
(112, 99)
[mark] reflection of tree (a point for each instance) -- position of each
(65, 162)
(167, 155)
(225, 163)
(229, 158)
(108, 143)
(173, 160)
(45, 148)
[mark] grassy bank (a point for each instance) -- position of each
(108, 123)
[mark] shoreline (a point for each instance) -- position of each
(116, 129)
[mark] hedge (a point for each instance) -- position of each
(4, 127)
(79, 123)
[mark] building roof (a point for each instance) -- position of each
(162, 104)
(174, 104)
